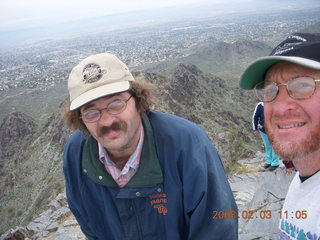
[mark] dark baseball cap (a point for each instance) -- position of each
(299, 48)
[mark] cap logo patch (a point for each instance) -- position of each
(289, 44)
(285, 48)
(92, 72)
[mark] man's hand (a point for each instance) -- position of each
(256, 133)
(289, 170)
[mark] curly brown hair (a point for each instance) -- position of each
(142, 91)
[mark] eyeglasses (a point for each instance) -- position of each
(297, 88)
(113, 108)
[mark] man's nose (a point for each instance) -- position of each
(106, 118)
(283, 92)
(283, 100)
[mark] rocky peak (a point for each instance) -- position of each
(185, 83)
(186, 76)
(16, 128)
(189, 68)
(55, 129)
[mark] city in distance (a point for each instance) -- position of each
(55, 27)
(150, 40)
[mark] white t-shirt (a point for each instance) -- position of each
(301, 210)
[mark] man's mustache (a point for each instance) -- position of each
(287, 116)
(116, 126)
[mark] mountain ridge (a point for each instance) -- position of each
(225, 60)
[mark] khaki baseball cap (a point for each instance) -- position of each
(97, 76)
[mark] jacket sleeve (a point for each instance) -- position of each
(256, 117)
(209, 202)
(73, 175)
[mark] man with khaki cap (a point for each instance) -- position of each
(135, 173)
(288, 82)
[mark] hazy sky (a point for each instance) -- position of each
(15, 13)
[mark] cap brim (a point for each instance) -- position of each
(256, 71)
(99, 92)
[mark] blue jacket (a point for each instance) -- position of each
(177, 193)
(258, 118)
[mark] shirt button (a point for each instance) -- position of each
(85, 170)
(138, 194)
(159, 190)
(100, 177)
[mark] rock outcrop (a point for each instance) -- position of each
(31, 167)
(260, 197)
(56, 223)
(16, 129)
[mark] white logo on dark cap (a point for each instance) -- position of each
(285, 48)
(92, 72)
(289, 44)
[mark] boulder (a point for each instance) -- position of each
(260, 197)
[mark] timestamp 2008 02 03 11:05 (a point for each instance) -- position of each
(262, 214)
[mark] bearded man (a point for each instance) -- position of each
(288, 82)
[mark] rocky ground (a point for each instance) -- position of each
(56, 223)
(259, 196)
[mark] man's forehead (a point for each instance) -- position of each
(103, 99)
(288, 69)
